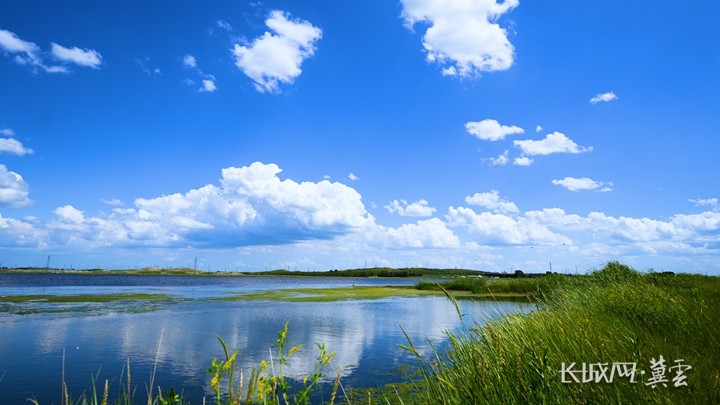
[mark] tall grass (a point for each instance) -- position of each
(480, 285)
(615, 314)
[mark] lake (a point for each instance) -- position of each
(103, 336)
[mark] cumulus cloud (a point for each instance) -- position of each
(522, 161)
(603, 97)
(28, 53)
(251, 207)
(276, 57)
(189, 61)
(500, 160)
(538, 128)
(585, 183)
(499, 229)
(82, 57)
(491, 130)
(208, 85)
(7, 132)
(14, 147)
(463, 34)
(353, 177)
(416, 209)
(492, 201)
(13, 189)
(431, 233)
(696, 229)
(553, 143)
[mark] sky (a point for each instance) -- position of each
(323, 135)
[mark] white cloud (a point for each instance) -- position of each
(713, 202)
(574, 184)
(276, 58)
(538, 128)
(696, 229)
(13, 189)
(7, 132)
(13, 44)
(353, 177)
(416, 209)
(431, 233)
(188, 81)
(13, 147)
(553, 143)
(28, 53)
(463, 34)
(492, 201)
(208, 85)
(189, 61)
(87, 57)
(69, 214)
(500, 160)
(251, 207)
(113, 201)
(326, 177)
(603, 97)
(493, 229)
(522, 161)
(491, 130)
(224, 25)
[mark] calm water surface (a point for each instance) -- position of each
(364, 334)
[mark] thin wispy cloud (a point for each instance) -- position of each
(609, 96)
(29, 54)
(113, 201)
(584, 183)
(82, 57)
(501, 160)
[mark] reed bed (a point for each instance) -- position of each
(612, 315)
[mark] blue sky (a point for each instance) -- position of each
(321, 134)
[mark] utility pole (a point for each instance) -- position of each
(550, 267)
(195, 262)
(47, 266)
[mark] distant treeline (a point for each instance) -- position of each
(391, 272)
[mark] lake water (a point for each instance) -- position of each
(364, 333)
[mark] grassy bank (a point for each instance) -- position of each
(610, 316)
